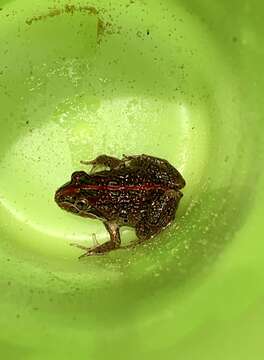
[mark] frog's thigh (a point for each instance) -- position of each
(159, 215)
(104, 160)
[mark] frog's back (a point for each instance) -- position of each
(141, 170)
(132, 176)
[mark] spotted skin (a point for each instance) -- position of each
(137, 191)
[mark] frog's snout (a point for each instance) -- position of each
(183, 183)
(58, 198)
(62, 195)
(180, 182)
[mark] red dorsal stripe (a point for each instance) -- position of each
(145, 187)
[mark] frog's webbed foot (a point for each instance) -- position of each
(88, 250)
(102, 249)
(105, 161)
(159, 215)
(96, 250)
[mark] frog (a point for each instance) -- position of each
(138, 191)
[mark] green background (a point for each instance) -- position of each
(182, 80)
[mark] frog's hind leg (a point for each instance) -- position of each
(105, 161)
(156, 165)
(113, 244)
(159, 215)
(143, 160)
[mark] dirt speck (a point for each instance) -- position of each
(131, 2)
(103, 27)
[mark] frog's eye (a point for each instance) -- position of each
(78, 176)
(82, 205)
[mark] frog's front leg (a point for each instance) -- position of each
(113, 244)
(160, 214)
(104, 160)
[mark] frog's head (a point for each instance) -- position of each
(73, 198)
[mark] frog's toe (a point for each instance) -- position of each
(79, 246)
(86, 162)
(90, 252)
(90, 163)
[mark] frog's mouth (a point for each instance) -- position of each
(67, 204)
(69, 199)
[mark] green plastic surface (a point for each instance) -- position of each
(182, 80)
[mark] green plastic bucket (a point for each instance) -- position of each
(181, 80)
